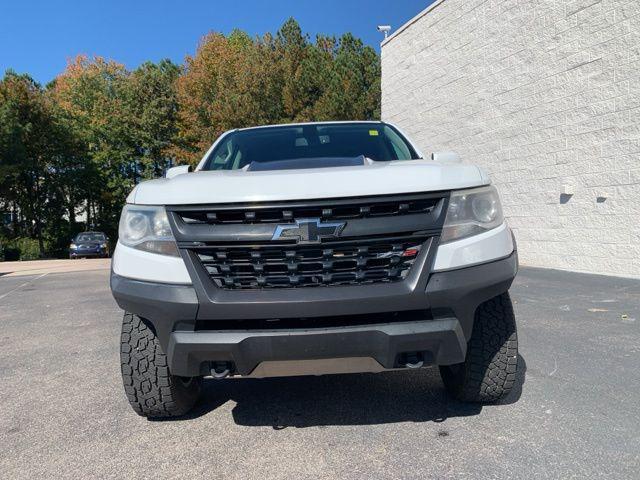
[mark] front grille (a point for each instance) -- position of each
(286, 212)
(328, 264)
(372, 240)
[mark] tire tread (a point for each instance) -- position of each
(489, 371)
(149, 386)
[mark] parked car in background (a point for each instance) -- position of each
(89, 244)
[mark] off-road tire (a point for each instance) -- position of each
(151, 389)
(489, 370)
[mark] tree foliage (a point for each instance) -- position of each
(36, 151)
(72, 150)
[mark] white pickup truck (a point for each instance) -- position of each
(308, 249)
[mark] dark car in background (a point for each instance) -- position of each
(89, 244)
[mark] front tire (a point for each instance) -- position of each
(489, 370)
(151, 389)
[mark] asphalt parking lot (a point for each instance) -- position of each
(575, 413)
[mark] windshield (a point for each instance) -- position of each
(90, 237)
(376, 141)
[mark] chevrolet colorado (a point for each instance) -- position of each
(308, 249)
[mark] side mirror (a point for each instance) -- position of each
(179, 170)
(446, 157)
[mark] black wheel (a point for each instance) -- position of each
(489, 370)
(151, 389)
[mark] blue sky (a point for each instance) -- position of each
(37, 37)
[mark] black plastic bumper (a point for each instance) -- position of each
(436, 341)
(450, 298)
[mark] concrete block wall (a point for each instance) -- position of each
(545, 95)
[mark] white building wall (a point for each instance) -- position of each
(545, 95)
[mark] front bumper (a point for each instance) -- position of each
(88, 253)
(435, 341)
(448, 299)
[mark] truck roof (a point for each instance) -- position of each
(302, 124)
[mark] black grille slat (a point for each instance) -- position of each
(350, 210)
(252, 267)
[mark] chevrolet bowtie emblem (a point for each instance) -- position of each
(308, 230)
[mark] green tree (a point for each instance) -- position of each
(293, 50)
(92, 95)
(69, 182)
(151, 108)
(26, 142)
(353, 83)
(38, 161)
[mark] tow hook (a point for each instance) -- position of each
(220, 370)
(414, 361)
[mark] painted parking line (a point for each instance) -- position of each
(22, 285)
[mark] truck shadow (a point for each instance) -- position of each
(363, 399)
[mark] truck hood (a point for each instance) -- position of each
(375, 178)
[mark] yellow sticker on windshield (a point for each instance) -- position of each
(373, 133)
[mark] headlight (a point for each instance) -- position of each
(147, 228)
(472, 212)
(73, 246)
(103, 245)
